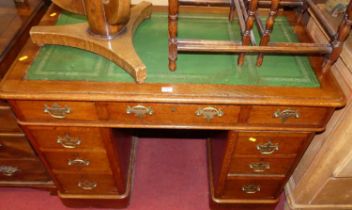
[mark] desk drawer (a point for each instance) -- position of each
(173, 114)
(53, 111)
(22, 170)
(87, 184)
(269, 144)
(15, 146)
(8, 121)
(292, 116)
(278, 166)
(70, 138)
(78, 161)
(252, 187)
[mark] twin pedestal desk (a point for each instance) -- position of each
(75, 108)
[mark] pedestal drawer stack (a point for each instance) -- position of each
(251, 165)
(19, 165)
(86, 161)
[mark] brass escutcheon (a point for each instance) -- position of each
(8, 170)
(286, 114)
(139, 111)
(56, 111)
(209, 112)
(87, 184)
(267, 148)
(251, 188)
(68, 142)
(259, 167)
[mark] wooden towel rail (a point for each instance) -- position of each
(247, 13)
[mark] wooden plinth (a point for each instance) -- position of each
(119, 49)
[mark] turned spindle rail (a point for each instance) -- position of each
(247, 14)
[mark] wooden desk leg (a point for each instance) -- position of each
(172, 21)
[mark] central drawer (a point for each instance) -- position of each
(173, 114)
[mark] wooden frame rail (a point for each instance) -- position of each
(247, 14)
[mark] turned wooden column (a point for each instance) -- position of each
(172, 21)
(107, 18)
(246, 38)
(268, 28)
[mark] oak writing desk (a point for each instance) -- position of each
(74, 106)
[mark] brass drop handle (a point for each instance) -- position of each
(87, 185)
(68, 141)
(209, 112)
(267, 148)
(259, 167)
(8, 170)
(139, 110)
(251, 188)
(78, 162)
(286, 114)
(56, 111)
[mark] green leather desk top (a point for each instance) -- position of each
(65, 63)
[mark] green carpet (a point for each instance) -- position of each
(66, 63)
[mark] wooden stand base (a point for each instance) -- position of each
(118, 49)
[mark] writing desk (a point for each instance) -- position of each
(74, 106)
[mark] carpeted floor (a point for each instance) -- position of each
(170, 174)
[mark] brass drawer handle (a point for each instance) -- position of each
(56, 111)
(78, 162)
(139, 110)
(87, 185)
(68, 141)
(267, 148)
(251, 188)
(259, 167)
(286, 114)
(209, 112)
(8, 170)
